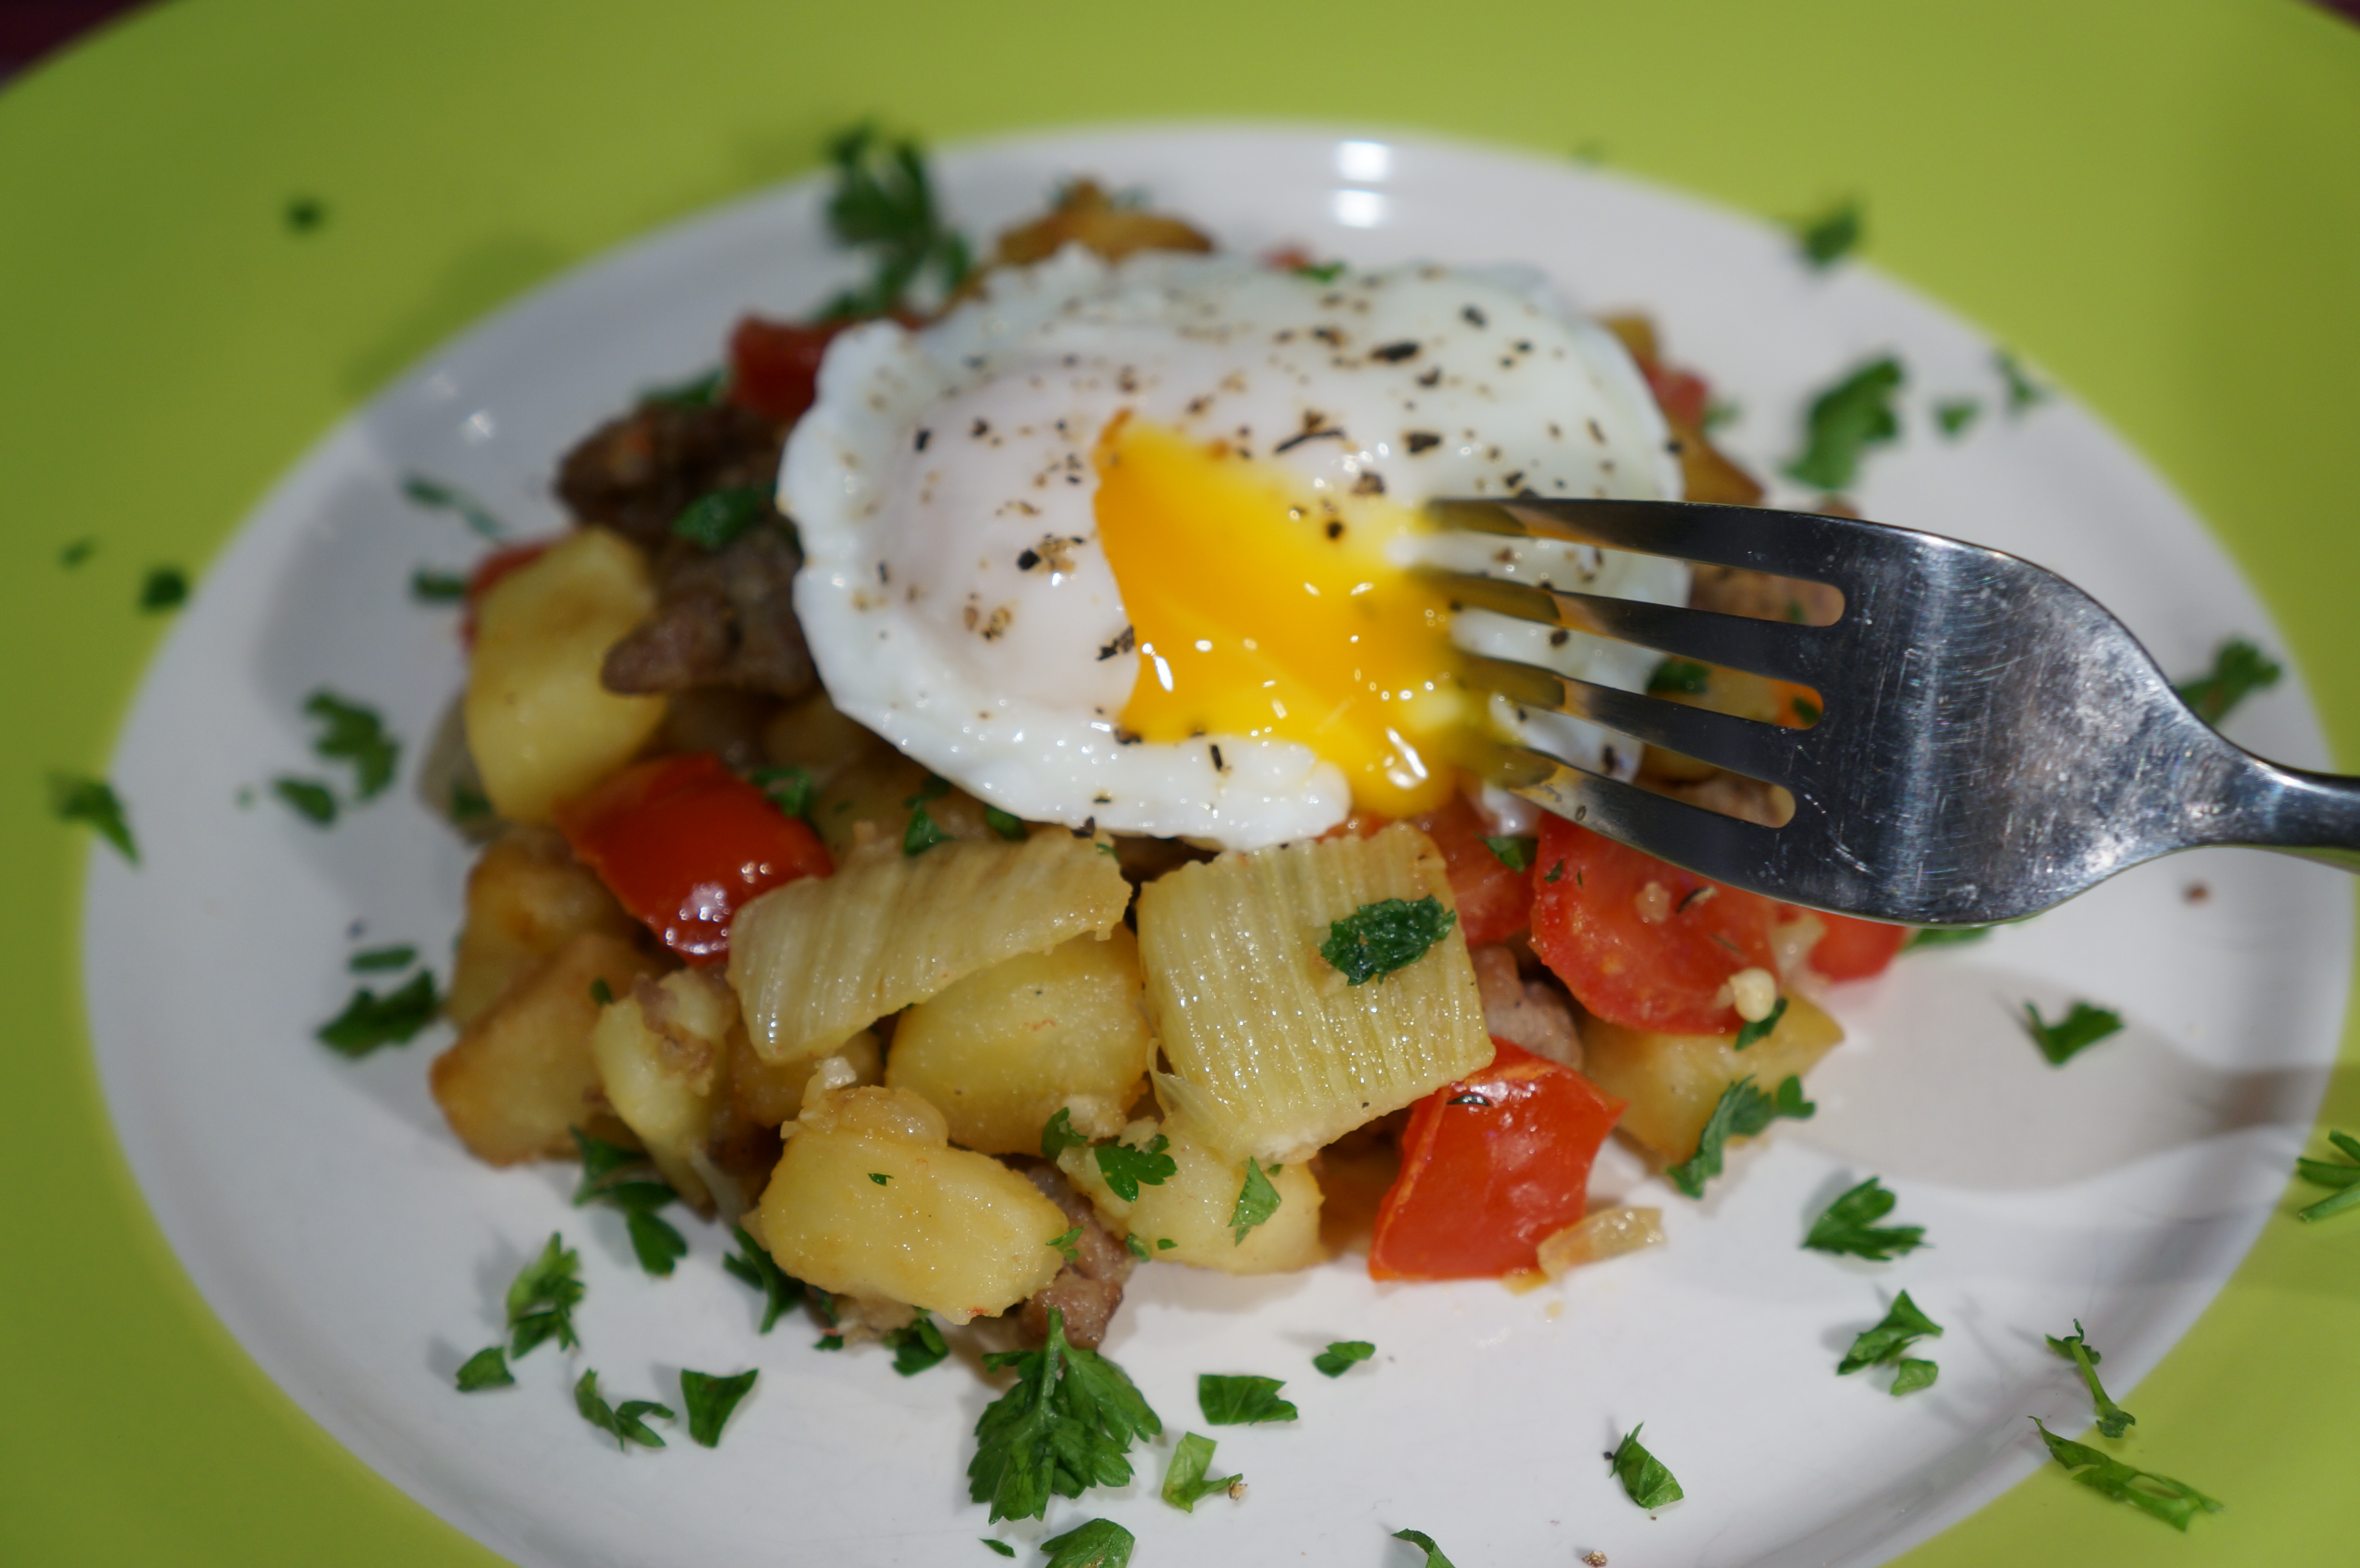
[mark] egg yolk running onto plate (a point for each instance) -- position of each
(1263, 606)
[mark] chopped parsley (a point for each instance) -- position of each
(2344, 1179)
(1806, 710)
(828, 1342)
(307, 797)
(468, 805)
(2173, 1502)
(1684, 677)
(487, 1368)
(430, 587)
(1101, 1543)
(1136, 1248)
(542, 1300)
(354, 735)
(1069, 1242)
(435, 495)
(709, 1399)
(1849, 1225)
(1339, 1355)
(717, 517)
(1065, 1425)
(304, 214)
(1257, 1201)
(1425, 1543)
(1058, 1134)
(924, 832)
(916, 1347)
(2082, 1028)
(626, 1179)
(1953, 415)
(93, 802)
(1126, 1169)
(1242, 1400)
(626, 1424)
(882, 202)
(380, 960)
(1741, 1111)
(1321, 272)
(164, 588)
(1513, 850)
(602, 992)
(2112, 1420)
(2239, 669)
(754, 1265)
(790, 788)
(1719, 413)
(1001, 1547)
(2023, 392)
(76, 553)
(1844, 421)
(1392, 934)
(1945, 936)
(880, 1178)
(370, 1022)
(1186, 1483)
(1888, 1344)
(1829, 237)
(1007, 824)
(1762, 1027)
(697, 392)
(1644, 1479)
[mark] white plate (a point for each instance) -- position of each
(359, 1254)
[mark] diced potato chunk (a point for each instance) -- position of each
(541, 724)
(819, 960)
(1272, 1053)
(1191, 1208)
(770, 1093)
(1000, 1051)
(870, 1200)
(865, 805)
(1672, 1081)
(524, 1073)
(661, 1051)
(526, 898)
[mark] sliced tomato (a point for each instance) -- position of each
(1494, 902)
(774, 365)
(505, 562)
(1643, 960)
(685, 843)
(1854, 950)
(1492, 1166)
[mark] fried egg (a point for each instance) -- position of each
(1132, 545)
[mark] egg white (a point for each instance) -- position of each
(953, 592)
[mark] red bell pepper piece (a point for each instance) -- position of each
(1492, 1166)
(774, 365)
(1494, 903)
(685, 843)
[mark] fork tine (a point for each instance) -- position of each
(1787, 544)
(1777, 649)
(1725, 848)
(1762, 751)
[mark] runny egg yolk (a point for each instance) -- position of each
(1263, 606)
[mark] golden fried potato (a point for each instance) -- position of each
(1085, 214)
(1673, 1081)
(526, 898)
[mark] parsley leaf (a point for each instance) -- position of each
(622, 1178)
(1257, 1201)
(1761, 1027)
(2112, 1420)
(94, 801)
(1844, 421)
(1007, 824)
(1059, 1136)
(353, 735)
(1065, 1425)
(1945, 936)
(1681, 677)
(1645, 1480)
(883, 201)
(2078, 1030)
(1184, 1482)
(917, 1346)
(2023, 392)
(1719, 413)
(697, 392)
(1513, 850)
(308, 798)
(755, 1266)
(603, 1164)
(1850, 1225)
(541, 1302)
(1321, 271)
(435, 495)
(1000, 1546)
(924, 832)
(1425, 1543)
(1125, 1168)
(654, 1242)
(1829, 237)
(625, 1423)
(1069, 1243)
(1392, 934)
(790, 788)
(1741, 1111)
(487, 1368)
(1910, 1375)
(2173, 1502)
(1138, 1249)
(2327, 1173)
(164, 588)
(369, 1021)
(1885, 1345)
(1242, 1400)
(1952, 417)
(1339, 1355)
(1101, 1543)
(717, 517)
(378, 960)
(2239, 669)
(709, 1399)
(76, 553)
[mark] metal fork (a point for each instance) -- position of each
(1992, 741)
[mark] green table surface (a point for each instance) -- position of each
(2158, 201)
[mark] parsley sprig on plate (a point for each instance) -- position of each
(1849, 1225)
(1064, 1426)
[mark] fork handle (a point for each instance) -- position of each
(2292, 809)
